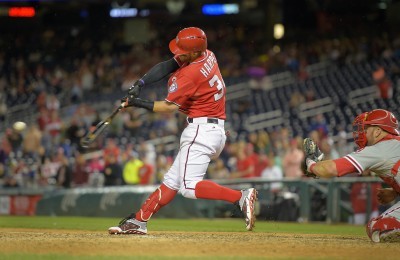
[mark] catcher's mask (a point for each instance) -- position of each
(378, 117)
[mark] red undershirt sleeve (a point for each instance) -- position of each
(344, 167)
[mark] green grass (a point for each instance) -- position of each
(190, 225)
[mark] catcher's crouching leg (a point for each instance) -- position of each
(159, 198)
(383, 229)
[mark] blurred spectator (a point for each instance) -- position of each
(252, 139)
(15, 138)
(96, 120)
(303, 74)
(23, 173)
(163, 163)
(96, 164)
(146, 172)
(171, 126)
(296, 99)
(112, 171)
(327, 148)
(261, 162)
(116, 128)
(383, 82)
(75, 131)
(3, 105)
(5, 149)
(358, 197)
(245, 164)
(131, 170)
(96, 171)
(80, 171)
(54, 127)
(2, 172)
(292, 161)
(147, 152)
(32, 141)
(273, 173)
(218, 170)
(263, 143)
(48, 170)
(96, 179)
(319, 124)
(309, 95)
(52, 103)
(43, 118)
(111, 150)
(76, 91)
(41, 101)
(86, 77)
(64, 174)
(10, 182)
(133, 122)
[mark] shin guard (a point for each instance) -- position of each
(159, 198)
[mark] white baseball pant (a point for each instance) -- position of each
(200, 142)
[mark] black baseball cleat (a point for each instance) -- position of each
(129, 225)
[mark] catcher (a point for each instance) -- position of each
(376, 134)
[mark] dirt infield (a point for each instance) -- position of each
(244, 245)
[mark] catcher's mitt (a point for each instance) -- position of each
(312, 152)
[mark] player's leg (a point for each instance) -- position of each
(136, 223)
(163, 195)
(386, 227)
(159, 198)
(195, 157)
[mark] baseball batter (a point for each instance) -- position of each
(376, 134)
(196, 88)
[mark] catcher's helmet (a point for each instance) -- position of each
(190, 39)
(378, 117)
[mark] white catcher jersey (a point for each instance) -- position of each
(382, 158)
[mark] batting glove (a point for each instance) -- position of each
(134, 90)
(138, 102)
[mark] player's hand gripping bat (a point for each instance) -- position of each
(90, 137)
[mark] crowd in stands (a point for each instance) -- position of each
(34, 158)
(60, 76)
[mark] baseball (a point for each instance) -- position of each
(19, 126)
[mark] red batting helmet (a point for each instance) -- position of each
(190, 39)
(378, 117)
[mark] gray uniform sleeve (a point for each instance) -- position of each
(378, 158)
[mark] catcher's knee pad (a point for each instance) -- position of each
(381, 225)
(188, 189)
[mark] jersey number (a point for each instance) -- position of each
(216, 81)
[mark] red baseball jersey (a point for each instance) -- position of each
(198, 88)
